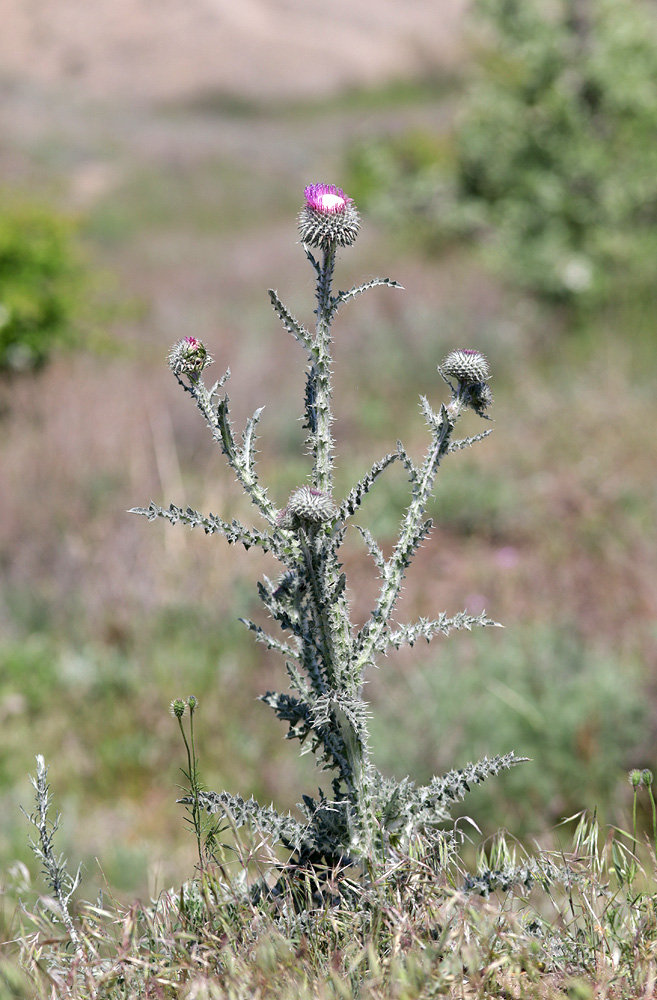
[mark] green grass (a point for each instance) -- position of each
(539, 690)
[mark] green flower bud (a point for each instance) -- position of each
(307, 505)
(177, 708)
(646, 777)
(635, 778)
(468, 367)
(188, 356)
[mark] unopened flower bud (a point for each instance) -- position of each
(189, 356)
(177, 708)
(466, 366)
(309, 505)
(646, 777)
(328, 217)
(479, 397)
(192, 701)
(635, 778)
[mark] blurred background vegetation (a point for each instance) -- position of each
(515, 200)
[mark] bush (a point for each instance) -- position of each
(554, 164)
(40, 272)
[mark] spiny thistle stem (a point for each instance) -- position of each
(319, 611)
(412, 529)
(322, 440)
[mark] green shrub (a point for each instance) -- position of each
(40, 275)
(554, 165)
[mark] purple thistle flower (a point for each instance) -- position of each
(328, 218)
(326, 198)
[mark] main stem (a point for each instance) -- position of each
(323, 441)
(355, 738)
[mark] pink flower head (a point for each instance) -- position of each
(326, 198)
(328, 218)
(189, 356)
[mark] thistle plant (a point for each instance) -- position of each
(363, 814)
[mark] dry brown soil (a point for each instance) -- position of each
(258, 48)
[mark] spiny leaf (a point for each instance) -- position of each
(373, 549)
(426, 629)
(355, 497)
(249, 438)
(269, 640)
(211, 524)
(467, 442)
(291, 324)
(341, 297)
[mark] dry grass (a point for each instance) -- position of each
(583, 927)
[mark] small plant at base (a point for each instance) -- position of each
(178, 710)
(63, 884)
(365, 814)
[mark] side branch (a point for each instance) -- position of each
(240, 459)
(413, 531)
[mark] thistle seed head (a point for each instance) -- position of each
(466, 366)
(328, 217)
(307, 505)
(189, 356)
